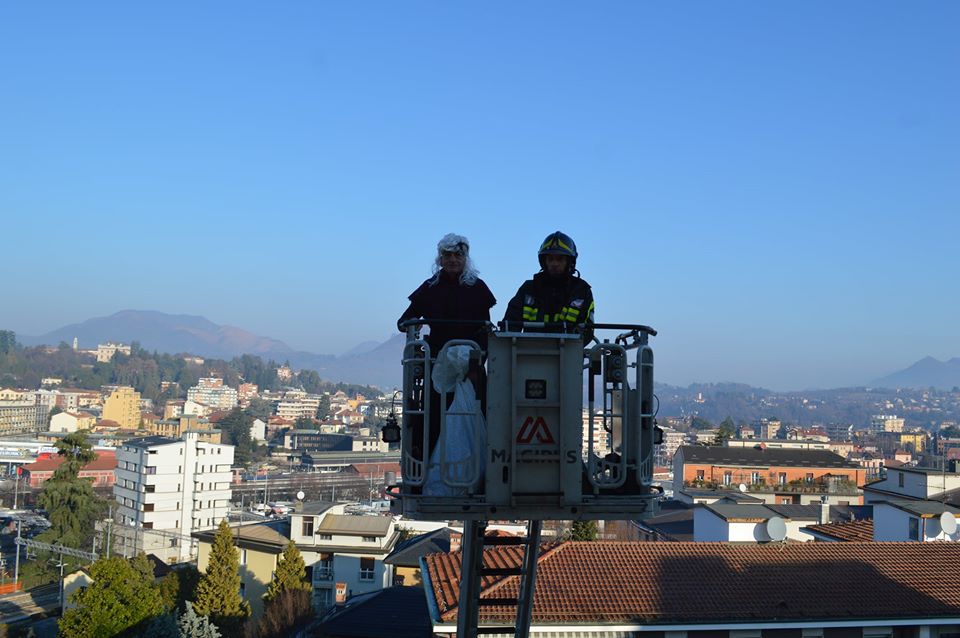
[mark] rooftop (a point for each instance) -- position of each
(365, 525)
(846, 531)
(663, 583)
(767, 457)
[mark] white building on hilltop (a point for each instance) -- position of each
(168, 488)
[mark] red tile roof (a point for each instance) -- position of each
(849, 531)
(105, 461)
(648, 583)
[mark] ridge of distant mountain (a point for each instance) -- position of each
(925, 373)
(368, 363)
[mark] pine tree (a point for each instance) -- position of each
(218, 593)
(72, 505)
(163, 626)
(290, 575)
(118, 599)
(583, 531)
(193, 626)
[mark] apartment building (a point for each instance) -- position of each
(123, 408)
(71, 422)
(175, 428)
(298, 404)
(343, 552)
(212, 392)
(21, 417)
(776, 476)
(105, 351)
(168, 488)
(886, 423)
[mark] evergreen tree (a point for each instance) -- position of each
(583, 531)
(118, 599)
(218, 593)
(192, 625)
(162, 626)
(290, 575)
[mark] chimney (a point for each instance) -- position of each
(824, 511)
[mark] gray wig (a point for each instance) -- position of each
(455, 243)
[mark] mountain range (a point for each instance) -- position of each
(925, 373)
(371, 362)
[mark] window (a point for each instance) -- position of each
(150, 489)
(900, 479)
(782, 478)
(325, 537)
(808, 478)
(369, 539)
(755, 477)
(151, 469)
(699, 475)
(307, 526)
(914, 529)
(366, 569)
(728, 478)
(324, 596)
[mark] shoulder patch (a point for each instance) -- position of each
(577, 303)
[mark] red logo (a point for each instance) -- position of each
(534, 428)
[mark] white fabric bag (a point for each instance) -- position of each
(464, 433)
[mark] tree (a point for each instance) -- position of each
(727, 430)
(305, 423)
(218, 593)
(323, 408)
(288, 611)
(583, 531)
(179, 586)
(192, 625)
(699, 423)
(118, 599)
(72, 505)
(290, 575)
(8, 341)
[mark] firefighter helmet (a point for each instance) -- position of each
(558, 244)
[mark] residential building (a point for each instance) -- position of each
(766, 428)
(246, 392)
(123, 407)
(344, 551)
(173, 487)
(909, 520)
(911, 483)
(783, 444)
(101, 470)
(212, 392)
(916, 440)
(259, 548)
(750, 523)
(297, 404)
(175, 428)
(71, 422)
(405, 557)
(21, 417)
(715, 590)
(778, 476)
(258, 430)
(886, 423)
(71, 399)
(173, 409)
(105, 351)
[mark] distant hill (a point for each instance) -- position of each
(368, 363)
(925, 373)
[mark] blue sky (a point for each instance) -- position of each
(774, 186)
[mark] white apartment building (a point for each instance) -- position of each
(168, 488)
(343, 549)
(296, 404)
(212, 392)
(21, 417)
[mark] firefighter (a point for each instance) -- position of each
(454, 292)
(556, 295)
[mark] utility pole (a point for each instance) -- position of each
(16, 569)
(16, 485)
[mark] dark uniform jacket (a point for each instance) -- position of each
(449, 299)
(553, 300)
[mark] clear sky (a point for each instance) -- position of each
(775, 186)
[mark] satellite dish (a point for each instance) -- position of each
(776, 529)
(948, 523)
(743, 487)
(300, 495)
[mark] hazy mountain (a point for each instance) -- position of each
(369, 363)
(925, 373)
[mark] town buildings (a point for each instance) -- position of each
(101, 471)
(168, 488)
(123, 408)
(106, 351)
(212, 392)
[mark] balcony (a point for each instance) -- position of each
(836, 487)
(322, 572)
